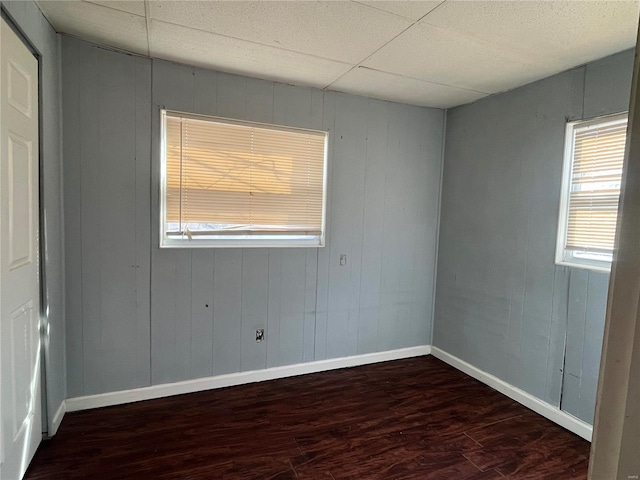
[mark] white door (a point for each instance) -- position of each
(19, 257)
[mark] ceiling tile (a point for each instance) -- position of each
(98, 24)
(338, 30)
(437, 55)
(411, 9)
(130, 6)
(573, 32)
(386, 86)
(204, 49)
(478, 46)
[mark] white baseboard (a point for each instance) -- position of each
(57, 418)
(545, 409)
(221, 381)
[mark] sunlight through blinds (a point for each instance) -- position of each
(598, 154)
(236, 178)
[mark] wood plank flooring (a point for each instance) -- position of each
(409, 419)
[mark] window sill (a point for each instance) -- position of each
(585, 266)
(243, 243)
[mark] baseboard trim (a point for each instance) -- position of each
(232, 379)
(57, 418)
(545, 409)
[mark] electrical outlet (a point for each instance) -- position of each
(259, 335)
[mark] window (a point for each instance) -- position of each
(227, 183)
(594, 154)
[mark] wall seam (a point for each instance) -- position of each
(584, 336)
(326, 209)
(553, 298)
(384, 218)
(77, 55)
(135, 196)
(445, 115)
(566, 334)
(364, 207)
(151, 233)
(584, 89)
(63, 269)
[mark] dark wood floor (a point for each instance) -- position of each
(407, 419)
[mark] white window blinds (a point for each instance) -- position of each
(593, 186)
(242, 182)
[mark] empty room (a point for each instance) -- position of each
(322, 240)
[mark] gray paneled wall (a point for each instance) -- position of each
(138, 315)
(501, 302)
(106, 99)
(34, 25)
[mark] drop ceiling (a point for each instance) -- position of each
(430, 53)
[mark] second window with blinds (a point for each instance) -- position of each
(594, 155)
(228, 183)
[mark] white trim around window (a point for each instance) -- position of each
(232, 183)
(591, 175)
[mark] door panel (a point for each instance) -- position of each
(20, 193)
(19, 85)
(22, 364)
(20, 425)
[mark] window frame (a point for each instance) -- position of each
(237, 241)
(563, 256)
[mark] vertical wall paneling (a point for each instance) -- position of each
(117, 244)
(557, 337)
(349, 135)
(576, 316)
(254, 308)
(372, 226)
(163, 310)
(607, 85)
(260, 100)
(421, 240)
(592, 347)
(274, 294)
(324, 254)
(227, 310)
(520, 195)
(107, 99)
(501, 302)
(202, 302)
(90, 220)
(142, 224)
(292, 298)
(393, 228)
(199, 309)
(183, 336)
(231, 95)
(541, 150)
(72, 219)
(107, 96)
(205, 92)
(310, 282)
(426, 259)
